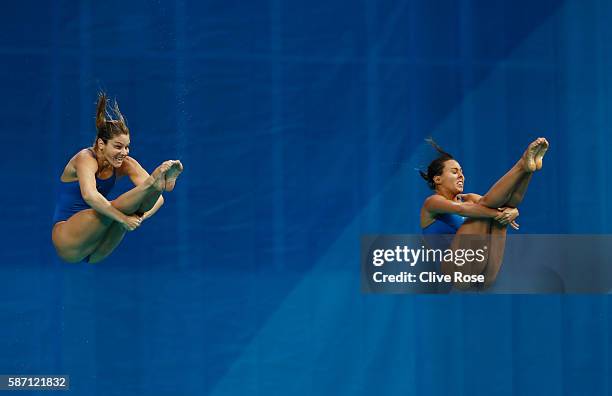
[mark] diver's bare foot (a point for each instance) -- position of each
(158, 177)
(528, 159)
(540, 154)
(173, 173)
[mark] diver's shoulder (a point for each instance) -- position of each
(84, 158)
(433, 198)
(85, 153)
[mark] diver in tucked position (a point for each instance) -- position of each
(483, 218)
(86, 226)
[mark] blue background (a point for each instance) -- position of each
(300, 125)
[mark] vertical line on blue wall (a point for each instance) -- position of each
(413, 118)
(606, 348)
(182, 199)
(514, 326)
(85, 126)
(413, 99)
(278, 168)
(85, 116)
(372, 115)
(459, 353)
(606, 144)
(580, 90)
(418, 344)
(564, 342)
(602, 149)
(466, 115)
(558, 115)
(387, 30)
(602, 145)
(57, 278)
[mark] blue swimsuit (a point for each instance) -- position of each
(446, 223)
(70, 200)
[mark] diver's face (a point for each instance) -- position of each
(116, 149)
(451, 179)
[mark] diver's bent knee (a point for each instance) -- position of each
(484, 201)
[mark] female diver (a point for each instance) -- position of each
(476, 220)
(86, 226)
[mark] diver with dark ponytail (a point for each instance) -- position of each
(436, 166)
(86, 226)
(450, 211)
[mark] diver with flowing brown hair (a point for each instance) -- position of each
(86, 226)
(450, 211)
